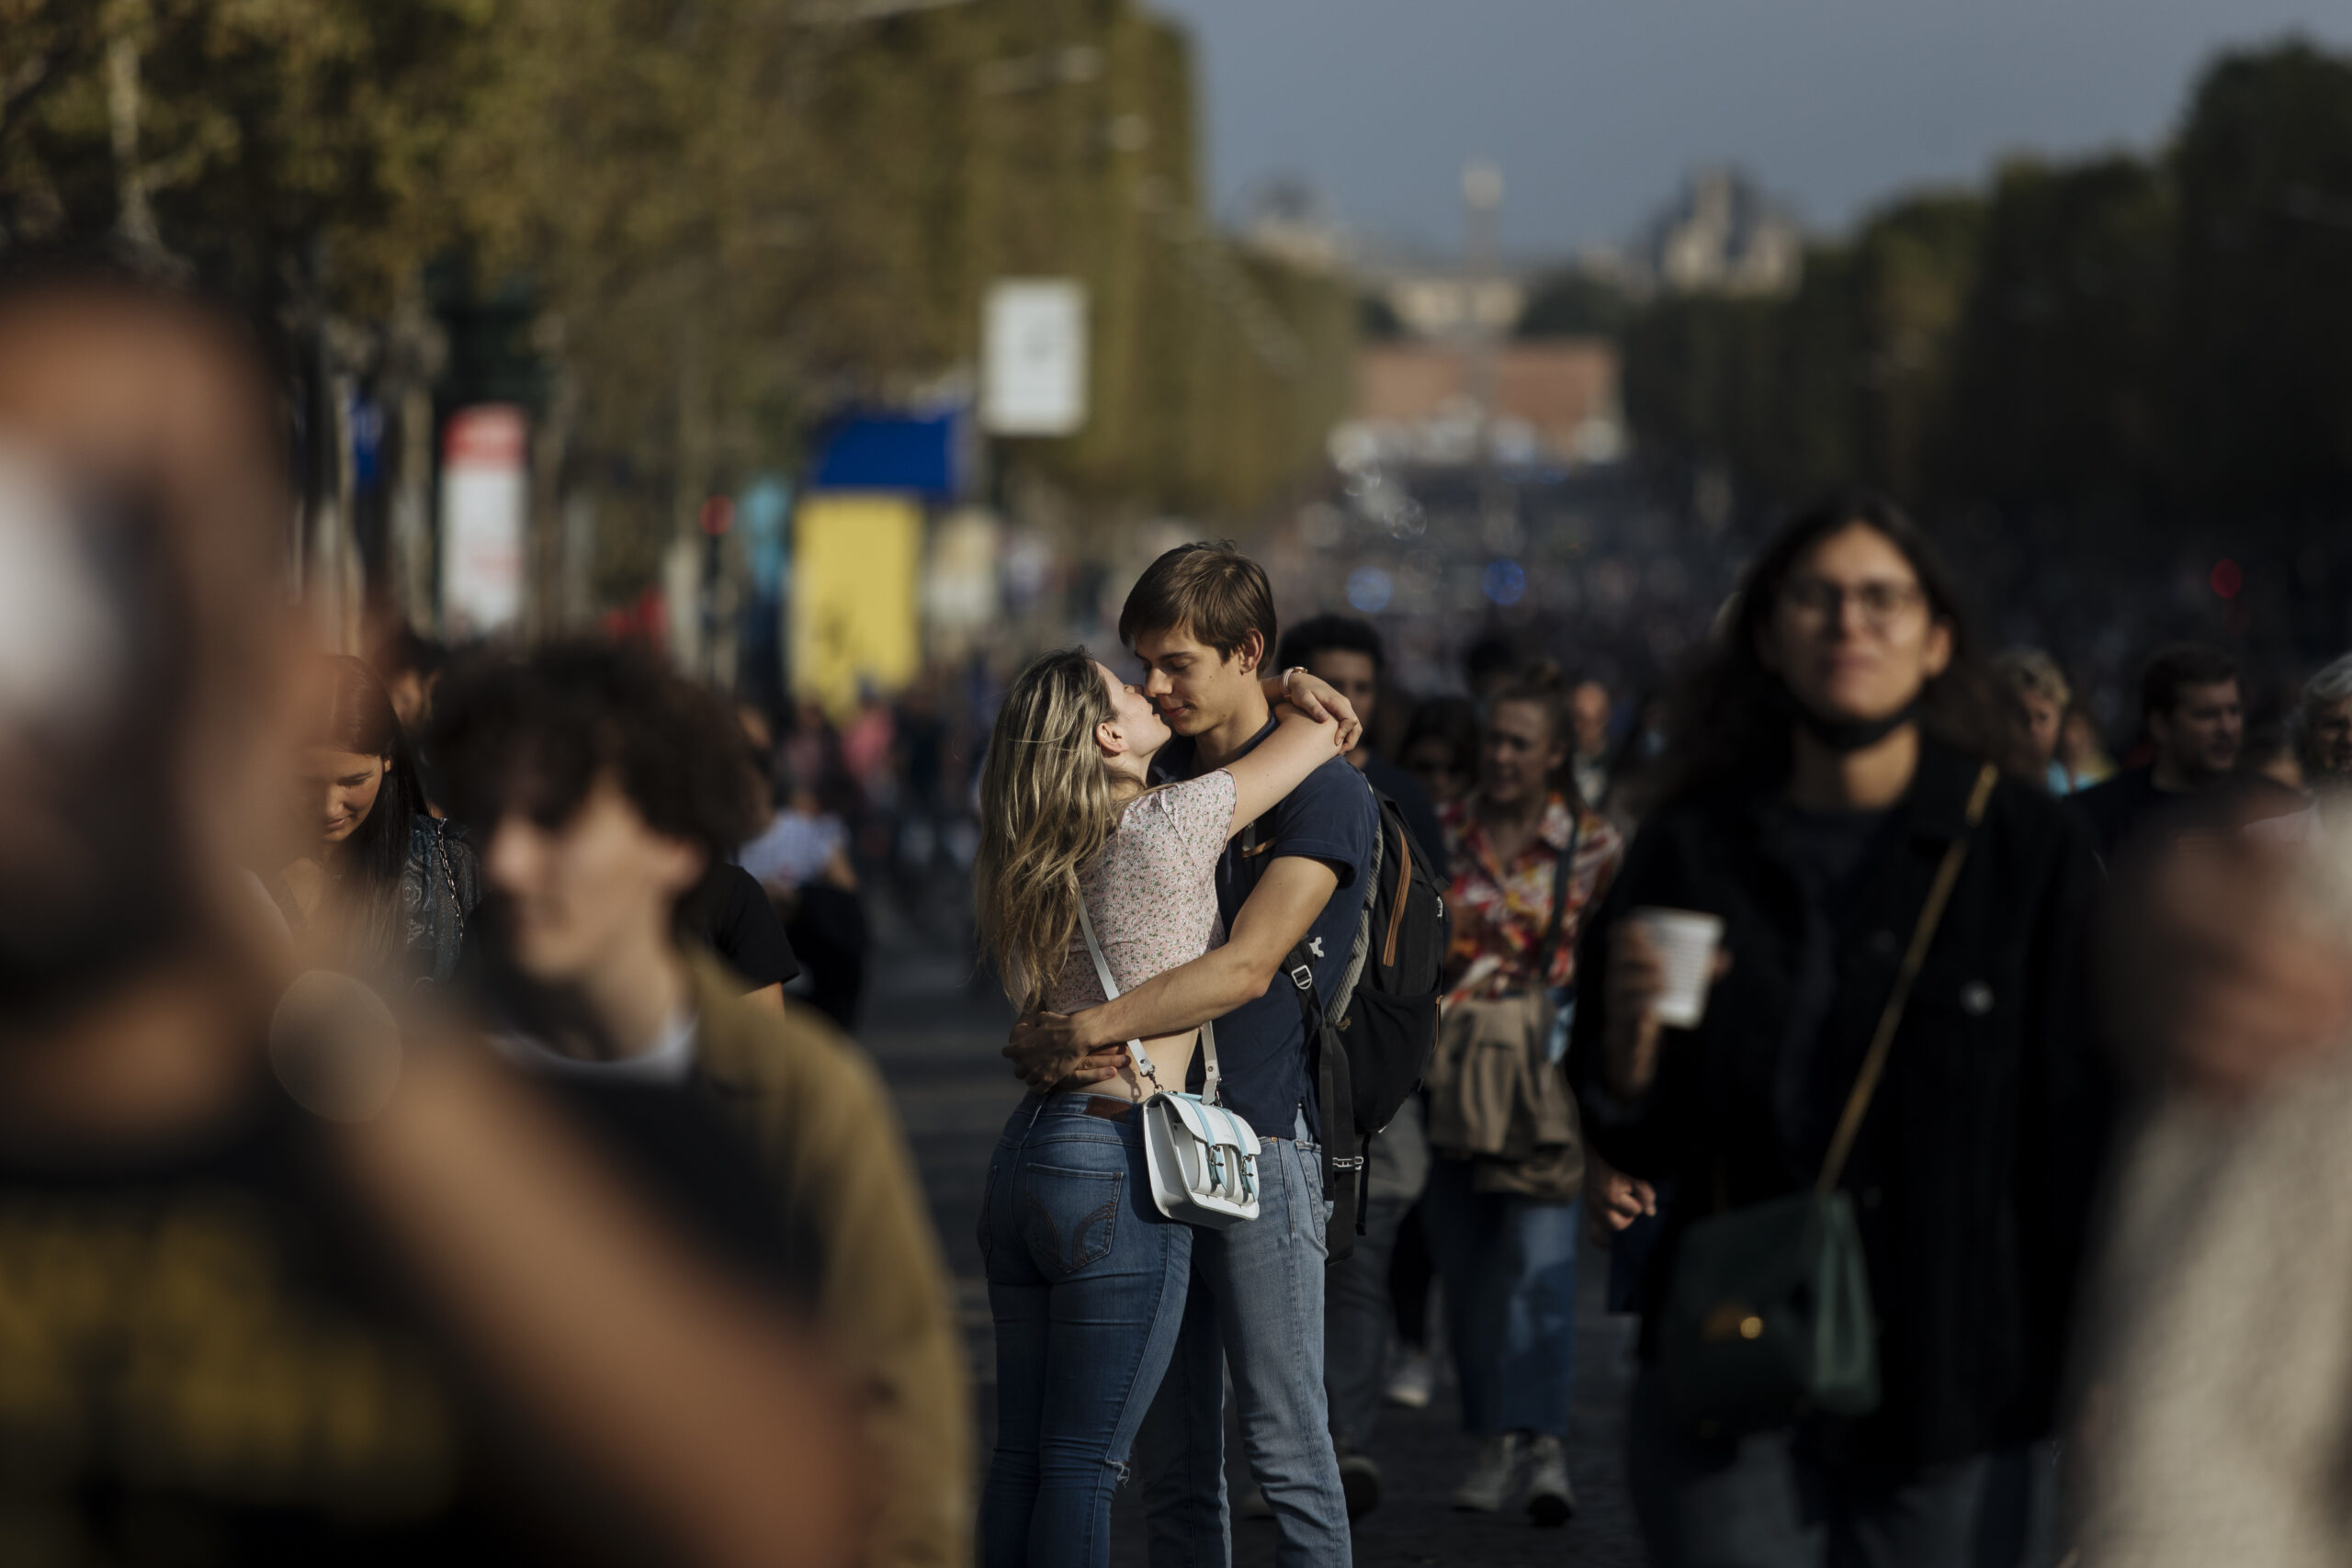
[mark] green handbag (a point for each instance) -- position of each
(1770, 1317)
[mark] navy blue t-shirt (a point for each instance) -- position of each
(1261, 1045)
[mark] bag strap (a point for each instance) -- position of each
(1931, 914)
(1135, 1048)
(1564, 866)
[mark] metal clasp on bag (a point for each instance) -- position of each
(1354, 1164)
(1217, 1167)
(1302, 978)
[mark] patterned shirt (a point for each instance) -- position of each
(1152, 892)
(1502, 911)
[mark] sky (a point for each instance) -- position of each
(1596, 110)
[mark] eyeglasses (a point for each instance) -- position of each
(1883, 604)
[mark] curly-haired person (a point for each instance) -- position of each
(604, 790)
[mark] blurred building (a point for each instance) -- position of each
(1721, 235)
(1546, 402)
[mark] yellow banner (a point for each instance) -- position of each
(856, 566)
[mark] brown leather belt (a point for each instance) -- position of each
(1114, 1109)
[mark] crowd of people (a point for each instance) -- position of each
(429, 1127)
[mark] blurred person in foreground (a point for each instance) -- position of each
(1528, 859)
(383, 888)
(1084, 863)
(605, 788)
(2038, 691)
(2213, 1372)
(1830, 752)
(2192, 708)
(1346, 652)
(388, 1305)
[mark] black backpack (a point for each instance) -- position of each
(1369, 1040)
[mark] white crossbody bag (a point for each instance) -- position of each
(1202, 1158)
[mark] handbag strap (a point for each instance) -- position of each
(1931, 914)
(1563, 868)
(1135, 1048)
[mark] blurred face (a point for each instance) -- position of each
(1431, 760)
(1135, 728)
(1195, 687)
(1588, 712)
(112, 849)
(1351, 674)
(2331, 742)
(2200, 737)
(588, 891)
(1851, 632)
(2042, 720)
(1520, 752)
(341, 787)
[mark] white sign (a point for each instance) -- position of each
(483, 521)
(1033, 356)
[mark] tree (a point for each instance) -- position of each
(2062, 371)
(2264, 168)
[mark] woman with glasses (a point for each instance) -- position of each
(1826, 760)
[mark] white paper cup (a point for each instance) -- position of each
(1686, 943)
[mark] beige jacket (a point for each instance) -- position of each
(823, 1123)
(2217, 1423)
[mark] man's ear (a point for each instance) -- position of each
(1253, 650)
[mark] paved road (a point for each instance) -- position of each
(936, 1031)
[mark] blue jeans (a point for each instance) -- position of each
(1510, 1269)
(1086, 1282)
(1256, 1302)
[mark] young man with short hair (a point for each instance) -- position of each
(1202, 619)
(603, 788)
(2193, 708)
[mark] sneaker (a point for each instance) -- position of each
(1360, 1479)
(1254, 1505)
(1550, 1501)
(1489, 1480)
(1410, 1384)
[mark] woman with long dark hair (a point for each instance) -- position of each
(385, 887)
(1896, 1035)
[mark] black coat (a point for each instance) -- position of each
(1973, 1174)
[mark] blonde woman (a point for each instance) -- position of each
(1086, 1279)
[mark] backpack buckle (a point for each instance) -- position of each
(1302, 978)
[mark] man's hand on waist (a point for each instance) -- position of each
(1051, 1050)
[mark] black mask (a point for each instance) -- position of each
(1843, 735)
